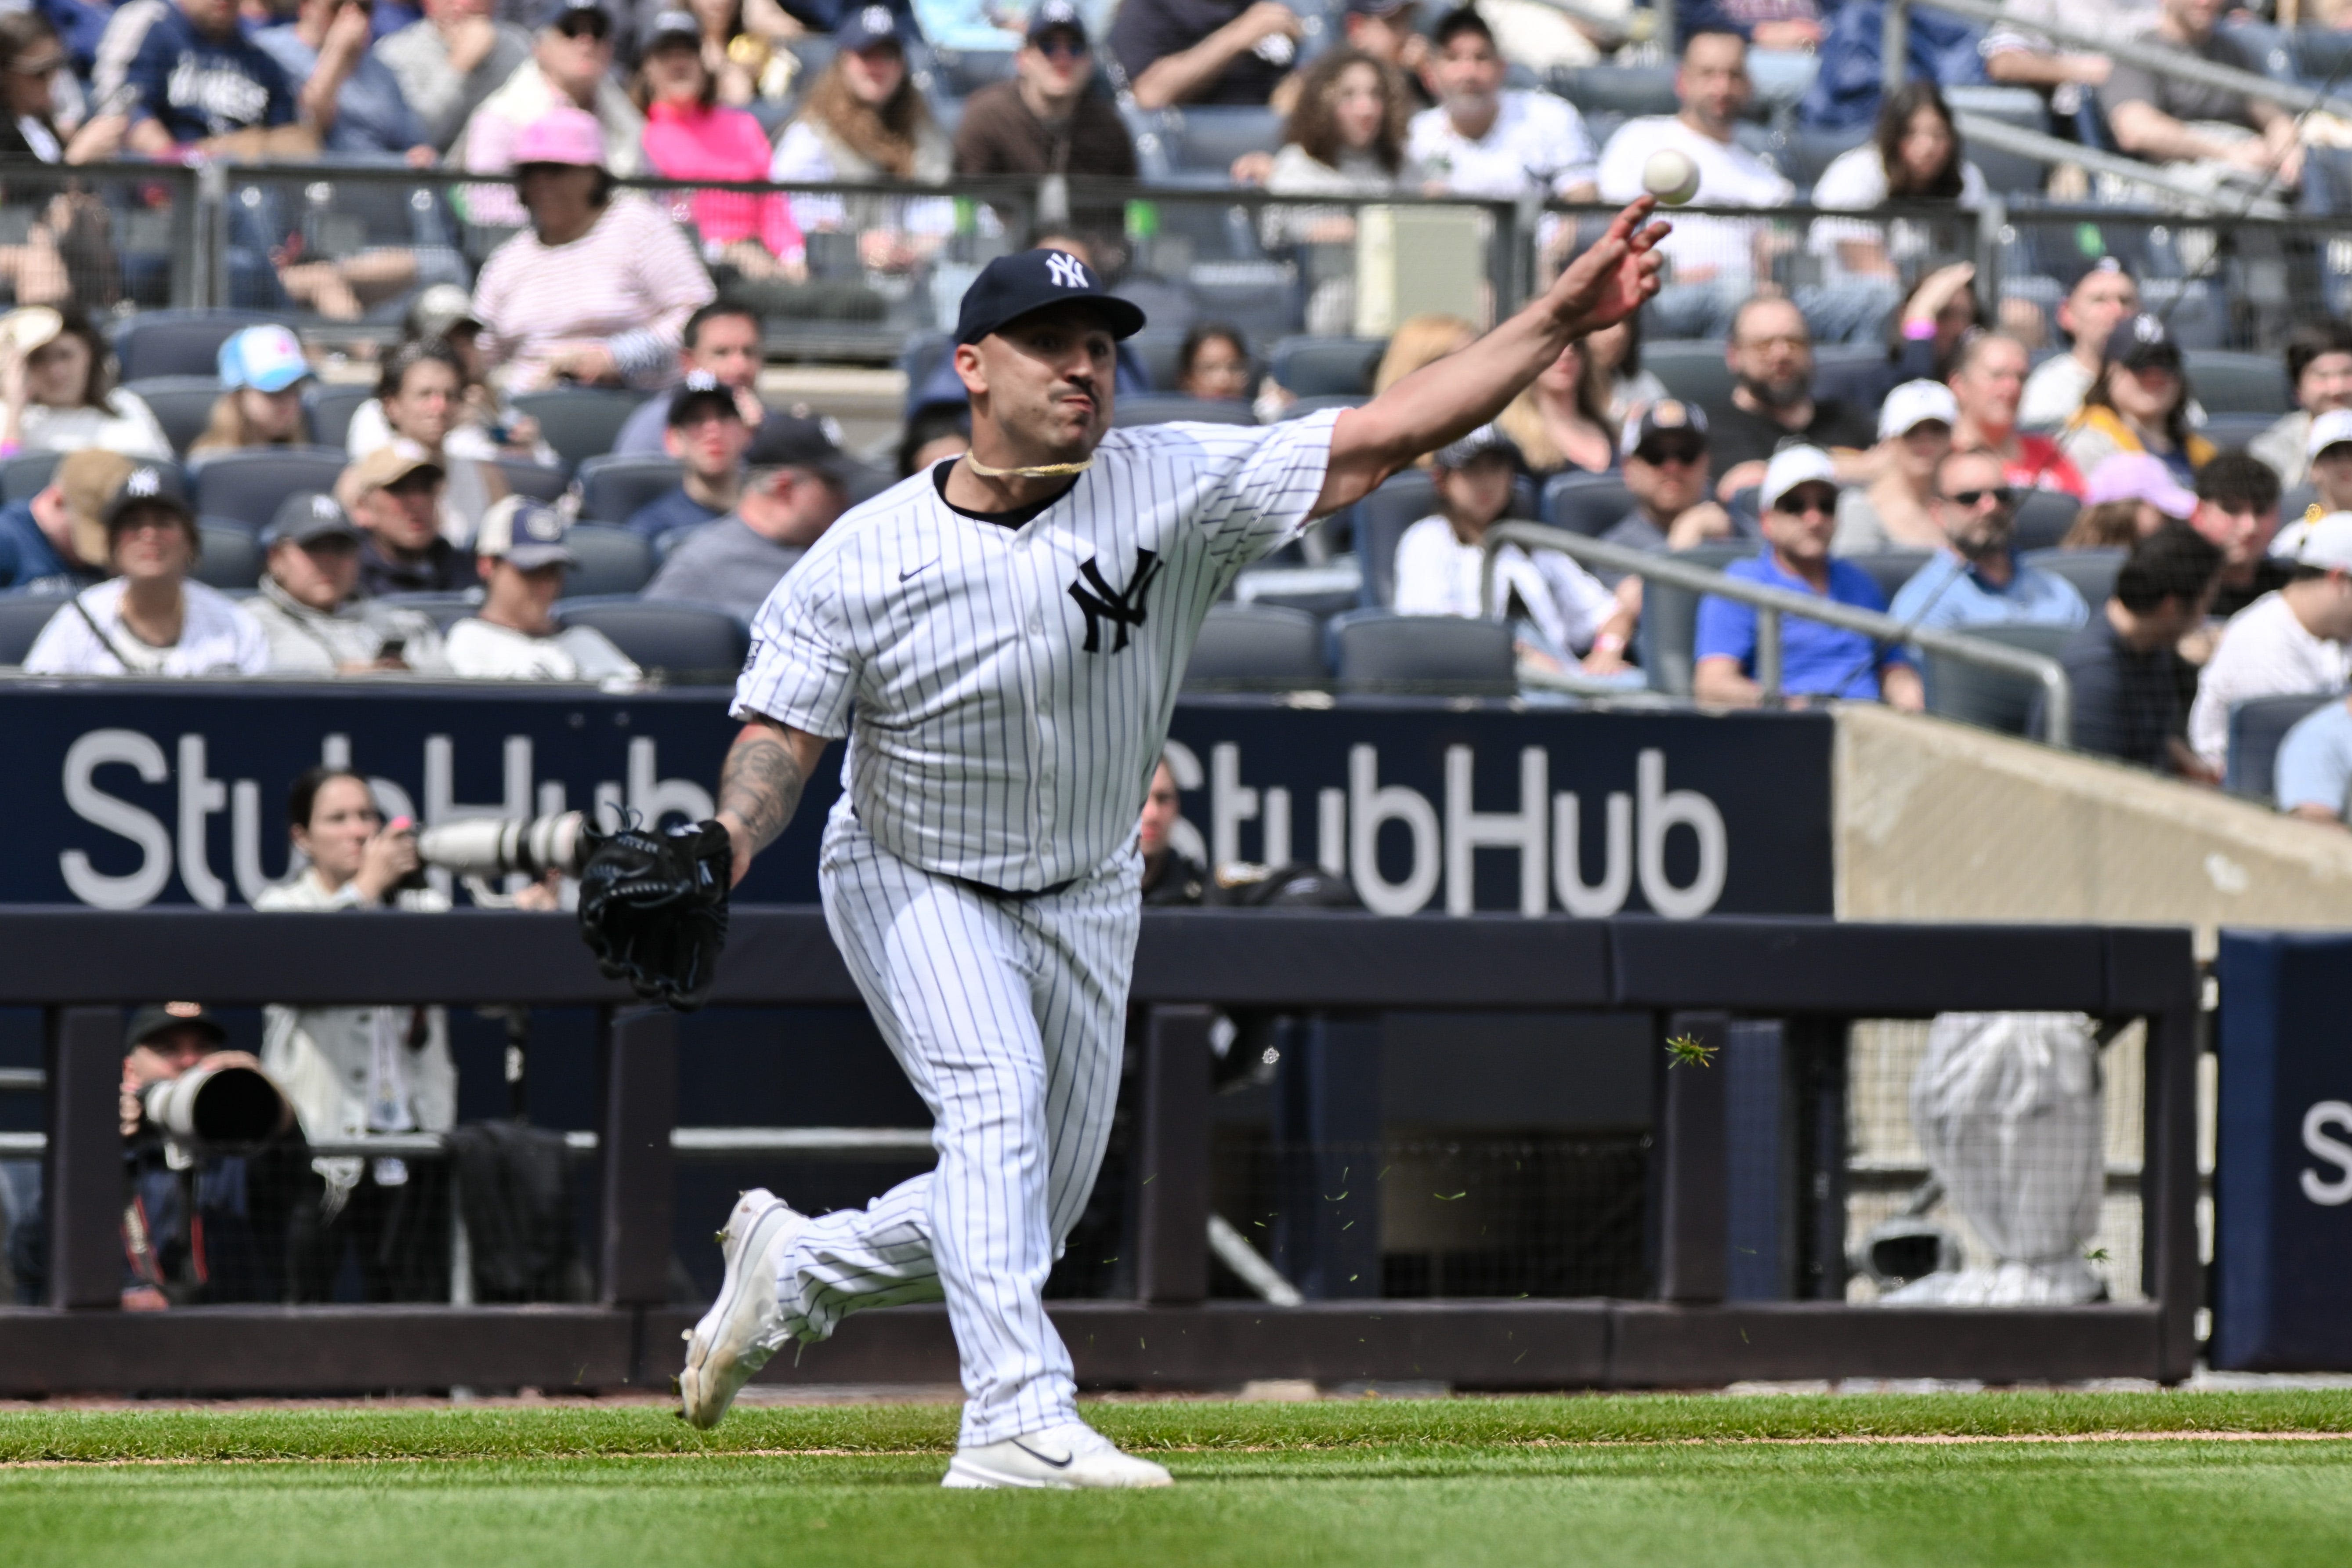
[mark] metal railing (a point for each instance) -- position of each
(1772, 603)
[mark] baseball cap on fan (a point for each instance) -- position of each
(1914, 404)
(1056, 15)
(701, 389)
(306, 517)
(2143, 343)
(2333, 428)
(521, 530)
(866, 27)
(268, 358)
(674, 26)
(1458, 454)
(1009, 287)
(152, 484)
(157, 1016)
(1794, 466)
(2327, 544)
(1667, 414)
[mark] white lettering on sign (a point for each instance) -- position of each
(2328, 1192)
(127, 748)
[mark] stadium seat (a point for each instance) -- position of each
(1991, 698)
(1618, 89)
(22, 616)
(613, 561)
(2229, 430)
(1326, 367)
(1307, 406)
(2093, 572)
(579, 422)
(1155, 348)
(2256, 729)
(2227, 382)
(445, 610)
(1589, 504)
(540, 481)
(687, 645)
(330, 408)
(183, 404)
(613, 488)
(180, 343)
(1207, 139)
(1171, 407)
(231, 556)
(1381, 649)
(246, 486)
(1257, 646)
(1670, 618)
(22, 478)
(1810, 152)
(2043, 517)
(1381, 520)
(1692, 369)
(1890, 568)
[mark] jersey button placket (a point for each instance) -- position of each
(1033, 573)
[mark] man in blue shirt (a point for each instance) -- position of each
(372, 113)
(1977, 580)
(191, 78)
(2313, 771)
(1799, 497)
(706, 433)
(54, 541)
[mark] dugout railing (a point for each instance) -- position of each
(1692, 978)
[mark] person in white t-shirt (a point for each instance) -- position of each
(2288, 641)
(1914, 156)
(1563, 617)
(149, 618)
(1713, 261)
(523, 549)
(1485, 141)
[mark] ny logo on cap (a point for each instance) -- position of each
(875, 19)
(2147, 329)
(184, 1009)
(324, 508)
(144, 482)
(1067, 270)
(1669, 415)
(543, 524)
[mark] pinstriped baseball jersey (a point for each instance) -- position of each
(1012, 687)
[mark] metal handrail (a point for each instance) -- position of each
(1772, 603)
(2158, 61)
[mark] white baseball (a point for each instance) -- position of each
(1671, 176)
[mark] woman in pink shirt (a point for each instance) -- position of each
(690, 135)
(599, 288)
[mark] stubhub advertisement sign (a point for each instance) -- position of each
(123, 794)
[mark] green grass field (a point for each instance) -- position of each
(2201, 1479)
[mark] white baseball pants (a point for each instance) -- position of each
(1008, 1016)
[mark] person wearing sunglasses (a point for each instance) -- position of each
(1976, 578)
(1799, 499)
(1666, 469)
(1044, 120)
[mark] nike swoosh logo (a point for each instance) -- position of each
(1060, 1464)
(917, 570)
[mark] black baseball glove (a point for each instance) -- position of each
(653, 908)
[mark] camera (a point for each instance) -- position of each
(496, 847)
(226, 1104)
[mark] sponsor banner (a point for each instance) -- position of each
(122, 795)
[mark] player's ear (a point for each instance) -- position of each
(969, 368)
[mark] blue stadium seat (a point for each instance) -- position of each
(1381, 520)
(2227, 382)
(579, 422)
(1810, 152)
(23, 477)
(231, 556)
(1326, 367)
(1670, 619)
(686, 644)
(2257, 728)
(1991, 698)
(1618, 89)
(183, 404)
(1589, 504)
(1207, 139)
(1693, 369)
(540, 481)
(1382, 650)
(2093, 572)
(2043, 517)
(2228, 430)
(613, 488)
(180, 343)
(1171, 407)
(246, 486)
(445, 610)
(1890, 568)
(1155, 348)
(1258, 646)
(22, 616)
(330, 408)
(613, 561)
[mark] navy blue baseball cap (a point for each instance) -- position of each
(1011, 286)
(1054, 15)
(867, 25)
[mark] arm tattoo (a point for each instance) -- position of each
(760, 785)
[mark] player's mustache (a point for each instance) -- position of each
(1080, 384)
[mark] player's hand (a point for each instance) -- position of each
(1610, 281)
(738, 838)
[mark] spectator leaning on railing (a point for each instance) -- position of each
(2284, 643)
(2102, 299)
(57, 391)
(310, 606)
(722, 340)
(2165, 120)
(523, 552)
(2319, 368)
(68, 252)
(799, 484)
(450, 61)
(1976, 578)
(1799, 499)
(598, 290)
(2125, 676)
(54, 542)
(708, 434)
(394, 495)
(1046, 120)
(690, 135)
(2016, 53)
(1913, 156)
(151, 618)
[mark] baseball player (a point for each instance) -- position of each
(1000, 638)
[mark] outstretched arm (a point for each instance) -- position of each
(1460, 392)
(760, 786)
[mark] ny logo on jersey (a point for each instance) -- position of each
(1122, 608)
(1067, 270)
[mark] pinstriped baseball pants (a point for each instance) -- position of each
(1008, 1016)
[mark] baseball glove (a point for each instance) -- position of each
(653, 908)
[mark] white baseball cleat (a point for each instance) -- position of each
(1069, 1457)
(743, 1329)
